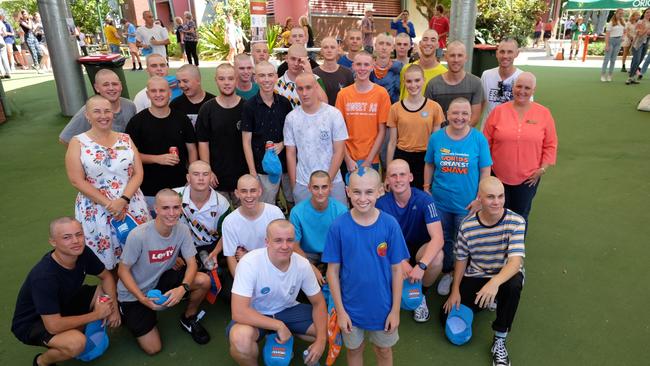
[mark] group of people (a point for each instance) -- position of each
(28, 33)
(633, 36)
(384, 174)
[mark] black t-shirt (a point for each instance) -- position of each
(284, 67)
(266, 123)
(154, 136)
(335, 81)
(48, 288)
(191, 110)
(221, 128)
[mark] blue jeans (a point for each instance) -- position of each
(646, 63)
(450, 223)
(611, 55)
(637, 57)
(519, 198)
(114, 48)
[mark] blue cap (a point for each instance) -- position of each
(157, 296)
(124, 227)
(96, 341)
(272, 166)
(411, 295)
(276, 354)
(458, 327)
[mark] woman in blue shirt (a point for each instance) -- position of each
(401, 24)
(457, 158)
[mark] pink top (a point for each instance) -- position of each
(519, 147)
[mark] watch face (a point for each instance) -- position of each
(422, 266)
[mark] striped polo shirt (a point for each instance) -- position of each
(488, 247)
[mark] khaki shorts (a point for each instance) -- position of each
(134, 49)
(377, 337)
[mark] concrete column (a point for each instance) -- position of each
(62, 44)
(462, 21)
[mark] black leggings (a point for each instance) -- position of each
(190, 51)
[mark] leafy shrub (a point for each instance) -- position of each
(173, 48)
(497, 19)
(212, 43)
(596, 49)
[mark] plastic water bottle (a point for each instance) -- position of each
(305, 354)
(208, 263)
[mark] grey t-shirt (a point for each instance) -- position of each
(150, 254)
(79, 124)
(442, 93)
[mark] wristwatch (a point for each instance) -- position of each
(422, 266)
(186, 287)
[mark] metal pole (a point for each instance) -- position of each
(99, 21)
(68, 77)
(463, 22)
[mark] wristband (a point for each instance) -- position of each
(127, 199)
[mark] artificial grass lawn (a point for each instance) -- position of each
(586, 268)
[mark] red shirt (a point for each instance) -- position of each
(441, 25)
(520, 147)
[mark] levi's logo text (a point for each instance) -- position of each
(454, 163)
(414, 293)
(360, 108)
(161, 255)
(278, 352)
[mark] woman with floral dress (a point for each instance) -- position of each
(105, 167)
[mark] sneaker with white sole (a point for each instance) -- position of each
(421, 313)
(193, 327)
(609, 78)
(499, 352)
(492, 306)
(444, 285)
(602, 78)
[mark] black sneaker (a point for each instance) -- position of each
(499, 352)
(193, 327)
(623, 69)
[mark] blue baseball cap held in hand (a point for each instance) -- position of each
(458, 327)
(272, 166)
(411, 295)
(276, 354)
(157, 296)
(96, 341)
(124, 227)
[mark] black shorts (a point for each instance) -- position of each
(138, 318)
(79, 304)
(547, 34)
(537, 34)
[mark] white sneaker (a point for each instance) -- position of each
(421, 313)
(444, 285)
(602, 78)
(609, 78)
(492, 306)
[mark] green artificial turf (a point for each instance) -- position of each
(584, 300)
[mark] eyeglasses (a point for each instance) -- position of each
(501, 89)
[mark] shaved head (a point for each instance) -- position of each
(191, 71)
(278, 223)
(198, 164)
(246, 179)
(369, 175)
(527, 76)
(398, 163)
(306, 77)
(158, 81)
(297, 50)
(166, 192)
(490, 185)
(60, 221)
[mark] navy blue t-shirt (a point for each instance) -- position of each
(48, 288)
(413, 219)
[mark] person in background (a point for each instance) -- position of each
(613, 39)
(297, 37)
(190, 38)
(639, 47)
(39, 32)
(368, 29)
(81, 41)
(386, 72)
(628, 36)
(304, 24)
(498, 82)
(112, 37)
(440, 24)
(286, 31)
(353, 43)
(178, 26)
(152, 38)
(27, 26)
(7, 34)
(402, 24)
(548, 32)
(579, 28)
(246, 87)
(428, 61)
(537, 34)
(402, 48)
(193, 97)
(335, 77)
(131, 41)
(260, 51)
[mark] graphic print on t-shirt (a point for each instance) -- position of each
(382, 249)
(161, 255)
(360, 109)
(505, 92)
(453, 163)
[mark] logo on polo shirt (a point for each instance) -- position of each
(265, 290)
(161, 255)
(382, 248)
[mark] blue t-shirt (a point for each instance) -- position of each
(366, 254)
(345, 62)
(457, 167)
(413, 219)
(312, 225)
(391, 81)
(399, 27)
(130, 34)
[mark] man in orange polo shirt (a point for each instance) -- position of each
(365, 107)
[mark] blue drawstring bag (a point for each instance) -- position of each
(156, 296)
(411, 295)
(173, 86)
(272, 166)
(96, 341)
(276, 354)
(124, 227)
(458, 327)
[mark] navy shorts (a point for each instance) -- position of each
(297, 318)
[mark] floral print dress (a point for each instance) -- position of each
(108, 169)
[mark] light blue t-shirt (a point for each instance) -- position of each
(130, 34)
(366, 254)
(457, 167)
(312, 225)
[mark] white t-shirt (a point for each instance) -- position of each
(204, 223)
(615, 30)
(270, 289)
(314, 135)
(240, 231)
(141, 100)
(144, 34)
(490, 80)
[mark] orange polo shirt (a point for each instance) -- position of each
(520, 147)
(363, 113)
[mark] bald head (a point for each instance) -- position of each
(297, 50)
(490, 185)
(527, 77)
(166, 193)
(157, 82)
(398, 164)
(105, 73)
(246, 180)
(54, 224)
(369, 176)
(96, 100)
(198, 165)
(191, 71)
(275, 224)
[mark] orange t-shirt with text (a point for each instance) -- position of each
(363, 113)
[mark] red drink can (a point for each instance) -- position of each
(173, 150)
(104, 298)
(269, 145)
